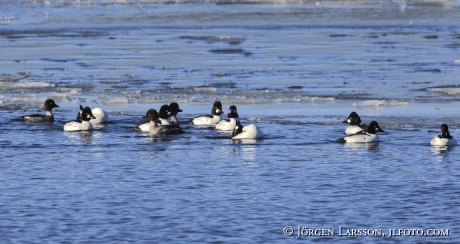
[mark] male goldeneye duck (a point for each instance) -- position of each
(99, 113)
(368, 136)
(355, 124)
(173, 110)
(164, 114)
(246, 132)
(81, 124)
(213, 119)
(47, 117)
(155, 128)
(228, 125)
(444, 138)
(162, 117)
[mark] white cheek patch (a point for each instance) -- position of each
(348, 120)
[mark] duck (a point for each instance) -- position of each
(156, 129)
(355, 124)
(82, 123)
(246, 132)
(228, 125)
(173, 110)
(164, 114)
(212, 119)
(444, 138)
(162, 119)
(47, 117)
(365, 137)
(99, 113)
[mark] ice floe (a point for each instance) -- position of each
(317, 99)
(205, 89)
(379, 103)
(27, 85)
(23, 99)
(396, 103)
(61, 93)
(446, 90)
(115, 100)
(253, 119)
(369, 103)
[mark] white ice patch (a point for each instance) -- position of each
(248, 100)
(71, 90)
(148, 101)
(123, 111)
(457, 62)
(396, 103)
(369, 103)
(24, 98)
(9, 18)
(115, 100)
(38, 100)
(205, 89)
(253, 119)
(317, 99)
(448, 91)
(27, 85)
(62, 94)
(379, 103)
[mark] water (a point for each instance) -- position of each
(296, 70)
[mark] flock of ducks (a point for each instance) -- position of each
(356, 132)
(160, 123)
(165, 122)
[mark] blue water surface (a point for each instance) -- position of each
(294, 70)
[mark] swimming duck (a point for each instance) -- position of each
(47, 117)
(164, 114)
(355, 124)
(156, 129)
(99, 113)
(82, 123)
(444, 138)
(173, 110)
(212, 119)
(228, 125)
(246, 132)
(162, 119)
(368, 136)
